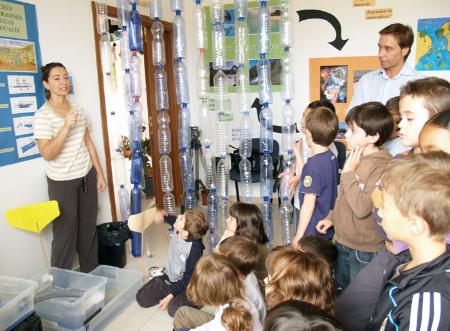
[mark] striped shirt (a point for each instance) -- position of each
(74, 160)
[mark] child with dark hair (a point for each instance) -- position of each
(394, 145)
(356, 237)
(185, 249)
(435, 135)
(293, 315)
(246, 220)
(318, 181)
(320, 247)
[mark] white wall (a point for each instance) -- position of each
(66, 35)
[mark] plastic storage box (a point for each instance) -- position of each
(70, 312)
(16, 300)
(121, 289)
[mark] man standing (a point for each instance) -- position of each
(380, 85)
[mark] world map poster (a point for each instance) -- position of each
(433, 46)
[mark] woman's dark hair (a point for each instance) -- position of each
(440, 120)
(294, 315)
(249, 221)
(322, 103)
(45, 73)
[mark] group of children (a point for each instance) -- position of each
(388, 264)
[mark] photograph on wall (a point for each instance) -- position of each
(23, 125)
(21, 84)
(333, 83)
(229, 70)
(26, 146)
(20, 105)
(333, 79)
(17, 56)
(433, 44)
(275, 71)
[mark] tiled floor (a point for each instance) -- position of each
(135, 318)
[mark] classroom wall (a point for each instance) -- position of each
(24, 183)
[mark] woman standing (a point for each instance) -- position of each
(74, 174)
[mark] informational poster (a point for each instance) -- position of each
(21, 93)
(433, 40)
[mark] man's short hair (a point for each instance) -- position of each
(242, 251)
(320, 247)
(402, 33)
(195, 223)
(374, 118)
(323, 125)
(420, 186)
(434, 91)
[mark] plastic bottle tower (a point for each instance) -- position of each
(182, 89)
(134, 92)
(242, 82)
(266, 117)
(162, 105)
(105, 47)
(222, 111)
(288, 127)
(205, 120)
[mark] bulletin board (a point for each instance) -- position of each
(333, 79)
(21, 93)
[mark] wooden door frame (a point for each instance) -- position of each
(151, 109)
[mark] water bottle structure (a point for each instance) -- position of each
(105, 52)
(162, 105)
(101, 17)
(135, 77)
(122, 13)
(124, 202)
(288, 127)
(200, 26)
(212, 218)
(208, 162)
(135, 28)
(179, 36)
(263, 40)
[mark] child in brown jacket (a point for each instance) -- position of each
(356, 238)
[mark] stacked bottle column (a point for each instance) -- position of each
(288, 127)
(162, 106)
(182, 91)
(266, 116)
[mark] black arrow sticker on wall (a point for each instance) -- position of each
(258, 107)
(307, 14)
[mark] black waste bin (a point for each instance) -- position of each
(111, 243)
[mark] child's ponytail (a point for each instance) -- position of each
(237, 317)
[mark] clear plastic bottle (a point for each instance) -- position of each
(190, 201)
(165, 165)
(202, 77)
(176, 5)
(161, 89)
(206, 120)
(136, 166)
(200, 27)
(266, 210)
(134, 26)
(184, 128)
(155, 9)
(125, 54)
(208, 162)
(158, 46)
(136, 123)
(288, 129)
(288, 173)
(242, 84)
(285, 25)
(222, 178)
(212, 240)
(179, 37)
(169, 203)
(124, 202)
(220, 89)
(135, 77)
(186, 169)
(223, 208)
(287, 78)
(286, 218)
(212, 209)
(266, 179)
(245, 147)
(245, 169)
(122, 13)
(266, 130)
(105, 51)
(264, 81)
(218, 39)
(241, 43)
(164, 135)
(222, 135)
(217, 11)
(136, 197)
(240, 8)
(101, 17)
(181, 81)
(263, 38)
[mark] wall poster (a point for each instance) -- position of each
(21, 93)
